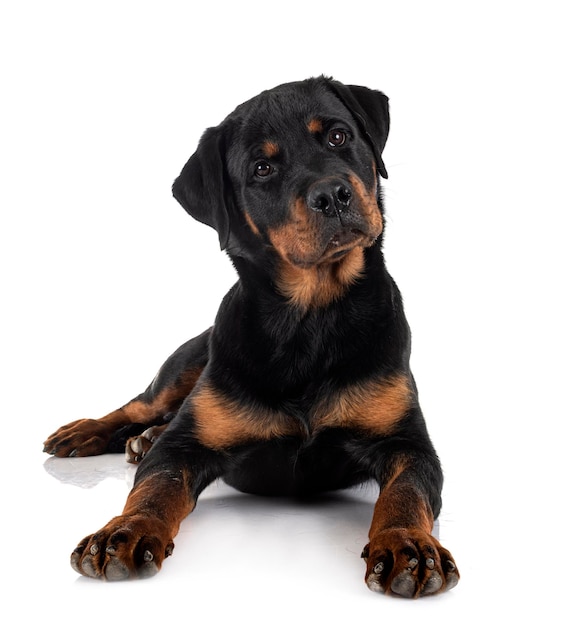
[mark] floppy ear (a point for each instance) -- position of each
(370, 108)
(203, 187)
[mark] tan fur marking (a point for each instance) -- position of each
(222, 423)
(297, 239)
(322, 284)
(167, 400)
(315, 126)
(368, 204)
(270, 149)
(164, 495)
(398, 467)
(251, 224)
(400, 503)
(375, 406)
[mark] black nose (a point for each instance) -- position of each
(329, 197)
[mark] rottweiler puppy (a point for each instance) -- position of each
(303, 383)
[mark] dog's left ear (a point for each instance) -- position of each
(370, 108)
(203, 188)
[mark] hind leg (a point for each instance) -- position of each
(137, 447)
(174, 381)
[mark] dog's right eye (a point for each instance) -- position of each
(263, 169)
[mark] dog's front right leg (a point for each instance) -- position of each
(204, 440)
(134, 544)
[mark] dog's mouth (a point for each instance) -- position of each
(342, 242)
(323, 248)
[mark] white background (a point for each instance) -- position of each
(103, 275)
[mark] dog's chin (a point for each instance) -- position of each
(335, 249)
(342, 243)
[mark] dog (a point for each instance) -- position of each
(303, 383)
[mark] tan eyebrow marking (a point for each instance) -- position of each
(315, 126)
(270, 149)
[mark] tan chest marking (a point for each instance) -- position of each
(375, 406)
(222, 423)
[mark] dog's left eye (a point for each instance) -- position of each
(337, 138)
(263, 169)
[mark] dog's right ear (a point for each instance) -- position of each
(203, 187)
(370, 108)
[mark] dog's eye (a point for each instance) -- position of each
(337, 138)
(263, 169)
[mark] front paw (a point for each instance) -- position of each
(85, 437)
(130, 546)
(408, 562)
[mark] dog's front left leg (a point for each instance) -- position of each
(403, 558)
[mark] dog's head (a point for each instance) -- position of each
(295, 170)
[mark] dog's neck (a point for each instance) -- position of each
(314, 287)
(320, 285)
